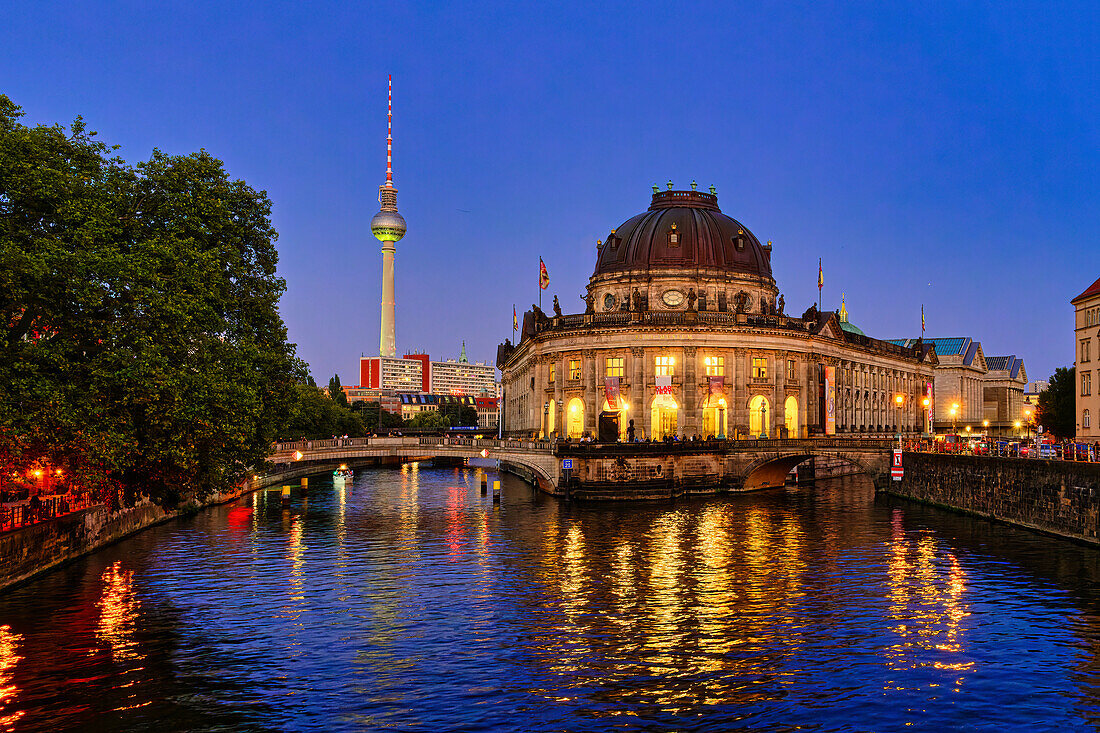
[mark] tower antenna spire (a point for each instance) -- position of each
(389, 133)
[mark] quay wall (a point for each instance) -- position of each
(38, 548)
(1054, 497)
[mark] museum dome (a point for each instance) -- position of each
(683, 230)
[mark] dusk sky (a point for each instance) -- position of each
(935, 154)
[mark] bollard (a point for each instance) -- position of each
(286, 496)
(484, 484)
(496, 492)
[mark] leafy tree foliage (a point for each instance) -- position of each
(336, 392)
(428, 419)
(369, 412)
(460, 415)
(1058, 403)
(142, 344)
(315, 415)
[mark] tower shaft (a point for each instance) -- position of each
(387, 340)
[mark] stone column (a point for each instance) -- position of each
(559, 394)
(591, 400)
(739, 407)
(637, 390)
(690, 424)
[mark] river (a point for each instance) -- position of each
(407, 601)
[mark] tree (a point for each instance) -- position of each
(428, 420)
(336, 392)
(142, 344)
(1058, 404)
(313, 415)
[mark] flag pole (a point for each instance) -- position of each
(819, 284)
(540, 283)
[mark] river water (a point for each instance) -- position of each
(407, 601)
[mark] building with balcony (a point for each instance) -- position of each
(685, 333)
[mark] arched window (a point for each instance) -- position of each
(760, 417)
(574, 418)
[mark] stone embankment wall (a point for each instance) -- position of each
(35, 549)
(1057, 497)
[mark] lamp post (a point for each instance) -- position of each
(545, 420)
(899, 400)
(1027, 421)
(954, 414)
(763, 421)
(558, 417)
(721, 418)
(927, 406)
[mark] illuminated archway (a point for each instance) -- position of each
(760, 417)
(574, 418)
(715, 417)
(663, 417)
(790, 416)
(550, 417)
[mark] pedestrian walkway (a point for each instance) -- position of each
(17, 514)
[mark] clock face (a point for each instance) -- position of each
(609, 301)
(673, 298)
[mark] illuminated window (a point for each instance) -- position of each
(759, 367)
(615, 367)
(665, 366)
(715, 365)
(574, 368)
(790, 370)
(553, 371)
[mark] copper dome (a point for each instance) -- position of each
(683, 230)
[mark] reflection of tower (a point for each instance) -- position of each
(388, 226)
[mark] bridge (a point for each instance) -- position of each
(606, 471)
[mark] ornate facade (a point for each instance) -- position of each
(685, 334)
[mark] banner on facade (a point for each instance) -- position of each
(830, 400)
(928, 410)
(664, 385)
(717, 391)
(611, 392)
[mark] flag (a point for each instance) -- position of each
(544, 276)
(515, 320)
(922, 320)
(820, 275)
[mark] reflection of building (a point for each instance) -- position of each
(684, 335)
(1087, 345)
(973, 389)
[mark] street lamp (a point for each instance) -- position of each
(546, 420)
(899, 400)
(721, 418)
(954, 413)
(985, 424)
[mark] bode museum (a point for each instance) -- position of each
(685, 335)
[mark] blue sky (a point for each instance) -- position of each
(940, 153)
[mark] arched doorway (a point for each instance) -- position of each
(715, 418)
(663, 417)
(760, 417)
(574, 418)
(550, 418)
(622, 412)
(790, 416)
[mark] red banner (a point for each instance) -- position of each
(611, 392)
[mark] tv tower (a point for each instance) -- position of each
(388, 226)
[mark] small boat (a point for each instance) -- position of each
(343, 474)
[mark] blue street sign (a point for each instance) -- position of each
(567, 464)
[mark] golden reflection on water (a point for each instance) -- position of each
(927, 605)
(118, 614)
(408, 519)
(9, 658)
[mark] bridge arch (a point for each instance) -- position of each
(771, 471)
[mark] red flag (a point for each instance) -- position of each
(544, 276)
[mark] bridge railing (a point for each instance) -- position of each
(427, 441)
